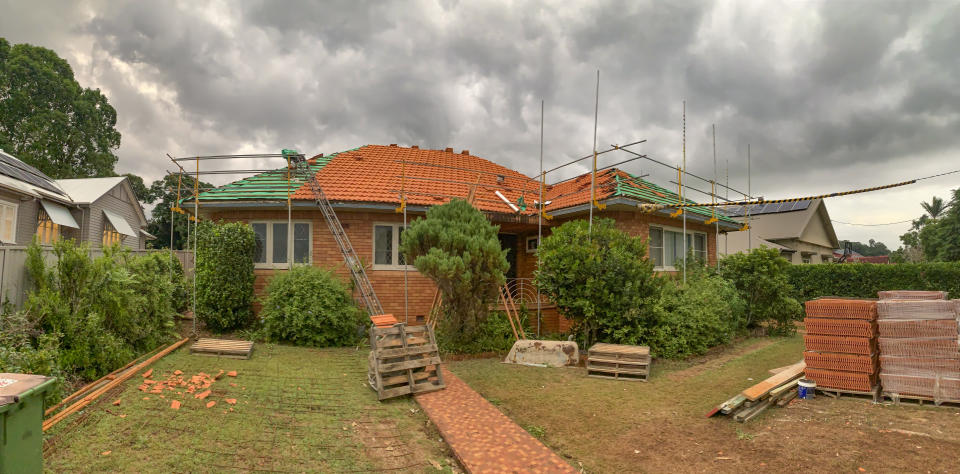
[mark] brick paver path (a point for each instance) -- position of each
(483, 438)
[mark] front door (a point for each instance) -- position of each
(508, 242)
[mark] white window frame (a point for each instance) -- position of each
(268, 243)
(532, 238)
(691, 233)
(395, 255)
(8, 206)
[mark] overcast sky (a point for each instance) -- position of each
(830, 95)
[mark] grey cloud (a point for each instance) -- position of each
(857, 85)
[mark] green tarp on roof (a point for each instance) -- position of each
(269, 185)
(637, 188)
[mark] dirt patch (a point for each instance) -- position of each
(717, 360)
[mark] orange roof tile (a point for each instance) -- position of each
(372, 173)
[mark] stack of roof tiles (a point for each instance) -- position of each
(919, 345)
(841, 343)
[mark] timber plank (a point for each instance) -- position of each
(759, 390)
(222, 348)
(408, 364)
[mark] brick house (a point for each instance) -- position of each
(364, 186)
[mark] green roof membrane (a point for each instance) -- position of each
(638, 188)
(269, 185)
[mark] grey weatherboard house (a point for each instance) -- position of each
(94, 210)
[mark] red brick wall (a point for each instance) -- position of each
(388, 284)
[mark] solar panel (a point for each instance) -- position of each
(14, 168)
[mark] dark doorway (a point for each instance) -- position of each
(508, 242)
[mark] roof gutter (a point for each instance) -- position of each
(698, 219)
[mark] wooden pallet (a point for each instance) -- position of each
(619, 362)
(919, 400)
(874, 393)
(404, 360)
(223, 348)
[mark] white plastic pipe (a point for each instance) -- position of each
(504, 199)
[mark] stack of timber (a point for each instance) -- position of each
(618, 361)
(918, 346)
(777, 390)
(404, 360)
(841, 345)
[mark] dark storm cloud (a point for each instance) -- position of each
(834, 86)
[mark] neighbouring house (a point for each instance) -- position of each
(800, 230)
(109, 211)
(857, 257)
(33, 204)
(96, 210)
(365, 185)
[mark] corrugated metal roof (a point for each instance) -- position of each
(88, 190)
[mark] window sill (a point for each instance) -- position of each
(393, 268)
(277, 266)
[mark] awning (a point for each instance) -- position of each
(119, 224)
(59, 214)
(148, 235)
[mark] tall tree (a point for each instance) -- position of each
(166, 191)
(48, 120)
(940, 239)
(143, 193)
(935, 207)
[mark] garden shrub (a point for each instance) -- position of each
(224, 272)
(101, 312)
(27, 350)
(602, 281)
(690, 319)
(457, 248)
(864, 280)
(309, 306)
(760, 277)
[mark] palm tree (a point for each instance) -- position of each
(935, 207)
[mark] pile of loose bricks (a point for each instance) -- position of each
(919, 354)
(907, 342)
(841, 343)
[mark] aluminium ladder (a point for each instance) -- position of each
(346, 248)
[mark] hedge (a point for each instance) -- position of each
(224, 266)
(864, 280)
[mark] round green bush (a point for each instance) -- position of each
(309, 306)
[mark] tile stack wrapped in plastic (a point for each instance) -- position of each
(841, 343)
(919, 345)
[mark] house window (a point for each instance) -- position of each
(533, 243)
(47, 230)
(8, 222)
(273, 246)
(110, 235)
(666, 247)
(806, 260)
(386, 247)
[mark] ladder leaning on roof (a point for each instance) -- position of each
(346, 248)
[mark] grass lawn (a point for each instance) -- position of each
(657, 426)
(297, 410)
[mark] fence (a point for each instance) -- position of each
(13, 274)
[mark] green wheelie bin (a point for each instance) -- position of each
(21, 422)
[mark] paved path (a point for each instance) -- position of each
(483, 438)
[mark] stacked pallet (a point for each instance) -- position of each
(918, 345)
(618, 361)
(841, 345)
(404, 360)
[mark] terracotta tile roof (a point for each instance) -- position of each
(372, 173)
